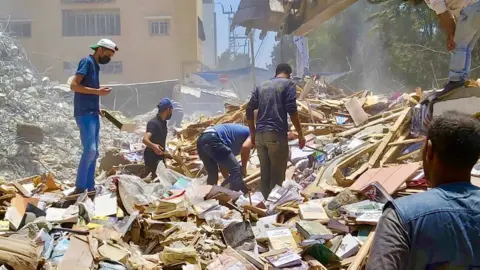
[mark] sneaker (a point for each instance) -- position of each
(452, 85)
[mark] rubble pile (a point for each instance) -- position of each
(359, 155)
(39, 133)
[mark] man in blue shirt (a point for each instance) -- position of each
(218, 146)
(274, 99)
(437, 229)
(86, 85)
(177, 115)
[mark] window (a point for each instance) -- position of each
(114, 67)
(160, 28)
(86, 1)
(17, 28)
(91, 23)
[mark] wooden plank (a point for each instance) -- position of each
(356, 111)
(374, 159)
(362, 253)
(385, 114)
(390, 178)
(393, 150)
(314, 114)
(402, 142)
(337, 172)
(373, 123)
(409, 155)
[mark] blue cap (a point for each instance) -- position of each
(164, 104)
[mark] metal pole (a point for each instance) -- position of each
(281, 50)
(252, 51)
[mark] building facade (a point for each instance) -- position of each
(209, 25)
(158, 39)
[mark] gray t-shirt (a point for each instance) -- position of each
(390, 248)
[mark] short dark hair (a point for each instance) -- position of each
(283, 69)
(455, 139)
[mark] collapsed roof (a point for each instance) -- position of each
(287, 17)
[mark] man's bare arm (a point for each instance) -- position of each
(296, 123)
(77, 87)
(146, 140)
(245, 154)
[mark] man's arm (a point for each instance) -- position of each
(446, 21)
(147, 139)
(245, 154)
(76, 85)
(251, 107)
(390, 248)
(290, 104)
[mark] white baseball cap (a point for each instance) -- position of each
(105, 43)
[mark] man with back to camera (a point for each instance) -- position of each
(274, 99)
(156, 137)
(177, 115)
(437, 229)
(460, 20)
(86, 85)
(218, 146)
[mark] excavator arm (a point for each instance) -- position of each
(288, 17)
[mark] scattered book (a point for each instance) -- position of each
(376, 192)
(313, 210)
(285, 259)
(369, 218)
(279, 238)
(202, 208)
(338, 226)
(348, 248)
(313, 230)
(322, 254)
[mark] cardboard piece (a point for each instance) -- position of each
(105, 205)
(390, 178)
(113, 252)
(78, 255)
(16, 212)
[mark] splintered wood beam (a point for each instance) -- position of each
(406, 141)
(403, 117)
(410, 155)
(373, 123)
(393, 150)
(337, 172)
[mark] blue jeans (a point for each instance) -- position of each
(467, 34)
(213, 152)
(89, 126)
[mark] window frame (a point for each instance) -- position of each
(17, 23)
(91, 23)
(157, 23)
